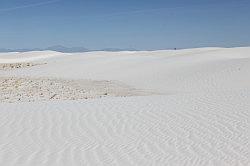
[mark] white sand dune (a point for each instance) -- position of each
(201, 117)
(16, 57)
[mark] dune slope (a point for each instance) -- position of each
(197, 113)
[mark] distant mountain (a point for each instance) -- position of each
(64, 49)
(117, 49)
(15, 50)
(60, 48)
(4, 50)
(52, 48)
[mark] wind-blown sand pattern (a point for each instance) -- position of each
(201, 117)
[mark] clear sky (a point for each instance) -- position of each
(139, 24)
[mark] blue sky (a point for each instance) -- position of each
(139, 24)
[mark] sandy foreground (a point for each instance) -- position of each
(185, 107)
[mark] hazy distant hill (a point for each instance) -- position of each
(117, 49)
(64, 49)
(58, 48)
(67, 49)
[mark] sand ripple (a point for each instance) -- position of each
(177, 130)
